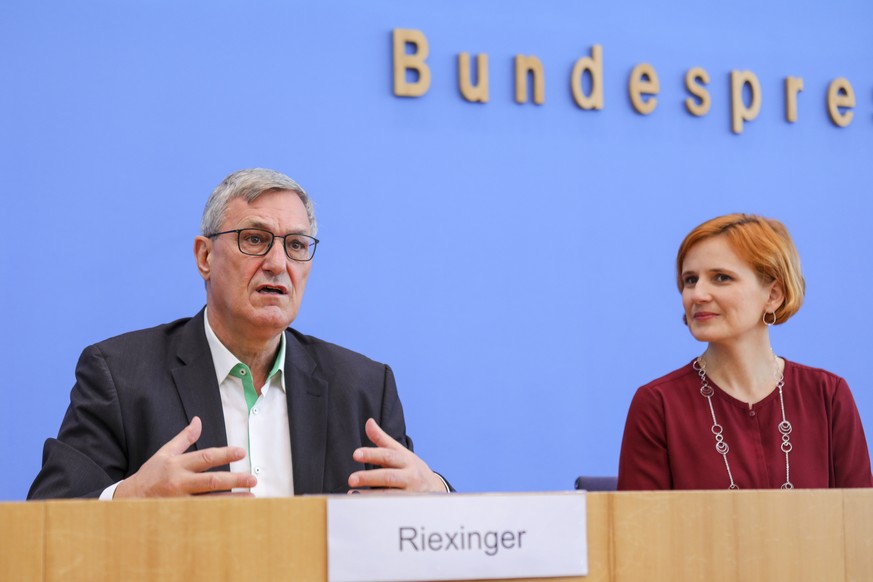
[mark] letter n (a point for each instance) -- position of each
(529, 67)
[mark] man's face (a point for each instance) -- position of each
(252, 299)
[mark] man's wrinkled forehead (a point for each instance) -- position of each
(273, 210)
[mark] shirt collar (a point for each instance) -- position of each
(224, 360)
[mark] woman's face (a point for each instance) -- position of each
(723, 296)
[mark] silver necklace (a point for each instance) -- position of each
(721, 446)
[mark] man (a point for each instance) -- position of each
(233, 399)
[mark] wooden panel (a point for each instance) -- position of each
(653, 536)
(184, 540)
(858, 524)
(21, 541)
(600, 538)
(790, 535)
(670, 536)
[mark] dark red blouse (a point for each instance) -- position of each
(668, 442)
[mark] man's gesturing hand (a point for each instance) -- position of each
(401, 468)
(172, 472)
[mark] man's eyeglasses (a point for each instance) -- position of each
(257, 242)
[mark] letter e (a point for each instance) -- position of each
(840, 94)
(644, 81)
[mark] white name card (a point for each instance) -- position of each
(391, 538)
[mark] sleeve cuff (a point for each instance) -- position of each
(109, 492)
(444, 482)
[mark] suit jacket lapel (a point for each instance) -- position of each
(306, 391)
(197, 386)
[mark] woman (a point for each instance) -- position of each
(738, 416)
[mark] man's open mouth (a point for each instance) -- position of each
(269, 289)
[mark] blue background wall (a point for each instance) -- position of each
(513, 263)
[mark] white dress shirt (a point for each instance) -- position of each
(263, 431)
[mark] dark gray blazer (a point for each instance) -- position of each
(135, 392)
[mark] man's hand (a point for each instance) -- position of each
(402, 469)
(171, 472)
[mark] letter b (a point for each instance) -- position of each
(414, 61)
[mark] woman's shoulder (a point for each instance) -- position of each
(672, 390)
(677, 383)
(684, 376)
(811, 372)
(811, 377)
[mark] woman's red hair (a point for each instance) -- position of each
(765, 244)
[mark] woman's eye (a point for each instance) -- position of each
(690, 280)
(722, 278)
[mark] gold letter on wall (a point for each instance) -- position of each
(404, 62)
(532, 65)
(840, 94)
(793, 86)
(739, 111)
(695, 79)
(594, 65)
(478, 92)
(644, 81)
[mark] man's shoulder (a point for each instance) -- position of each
(324, 352)
(158, 335)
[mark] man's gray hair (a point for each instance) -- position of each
(249, 184)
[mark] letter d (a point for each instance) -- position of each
(594, 66)
(404, 62)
